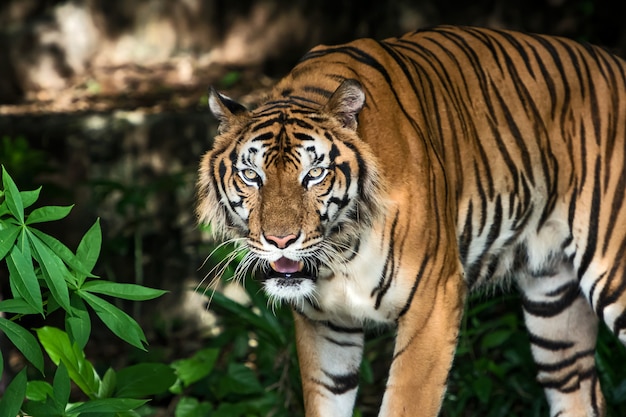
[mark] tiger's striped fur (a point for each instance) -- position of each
(380, 179)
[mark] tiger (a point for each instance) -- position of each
(383, 181)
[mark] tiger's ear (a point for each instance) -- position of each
(346, 103)
(224, 108)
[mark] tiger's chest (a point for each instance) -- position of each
(359, 290)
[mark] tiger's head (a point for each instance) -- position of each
(296, 181)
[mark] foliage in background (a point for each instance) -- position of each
(46, 276)
(19, 158)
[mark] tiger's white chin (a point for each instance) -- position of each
(293, 291)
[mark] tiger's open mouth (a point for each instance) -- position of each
(289, 270)
(290, 281)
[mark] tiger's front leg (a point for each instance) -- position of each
(330, 358)
(425, 346)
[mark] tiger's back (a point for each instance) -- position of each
(494, 157)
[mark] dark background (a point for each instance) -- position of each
(104, 103)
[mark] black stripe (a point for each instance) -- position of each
(482, 197)
(263, 125)
(616, 206)
(575, 64)
(565, 86)
(303, 136)
(356, 54)
(551, 308)
(496, 224)
(547, 79)
(341, 383)
(262, 137)
(564, 363)
(341, 329)
(549, 344)
(517, 135)
(416, 282)
(389, 268)
(317, 90)
(342, 343)
(610, 292)
(620, 321)
(520, 49)
(571, 213)
(570, 382)
(592, 225)
(466, 236)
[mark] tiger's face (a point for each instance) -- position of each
(296, 182)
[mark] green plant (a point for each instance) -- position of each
(46, 276)
(249, 368)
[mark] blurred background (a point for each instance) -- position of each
(103, 102)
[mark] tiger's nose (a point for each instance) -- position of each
(281, 242)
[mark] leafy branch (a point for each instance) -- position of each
(44, 276)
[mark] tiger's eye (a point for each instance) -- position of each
(250, 174)
(315, 173)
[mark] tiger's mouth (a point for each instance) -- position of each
(288, 271)
(289, 281)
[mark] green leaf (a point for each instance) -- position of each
(89, 247)
(38, 390)
(23, 278)
(230, 410)
(14, 395)
(144, 379)
(239, 380)
(106, 405)
(12, 197)
(23, 243)
(52, 306)
(268, 327)
(109, 381)
(48, 408)
(367, 372)
(61, 386)
(145, 411)
(197, 367)
(54, 271)
(48, 214)
(23, 341)
(483, 386)
(8, 234)
(29, 197)
(62, 252)
(57, 344)
(120, 323)
(78, 322)
(17, 306)
(191, 407)
(122, 290)
(495, 339)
